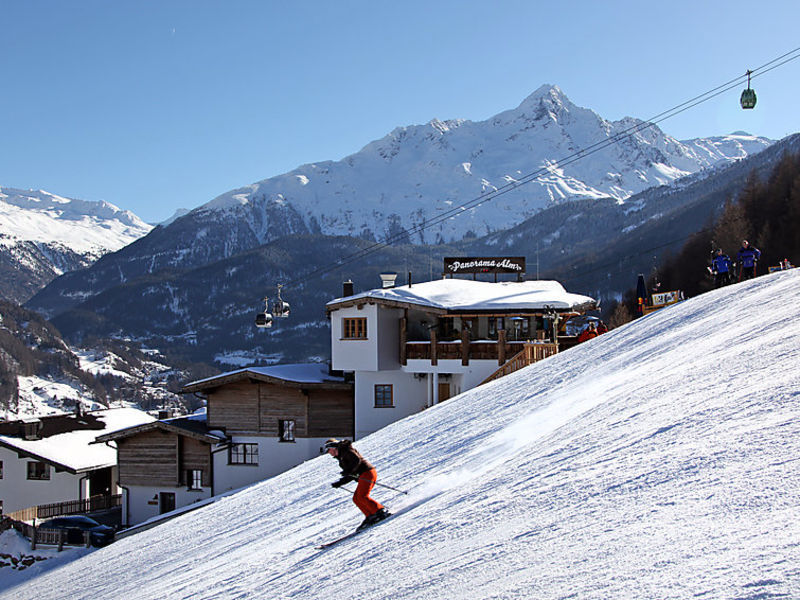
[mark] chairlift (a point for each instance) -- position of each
(264, 319)
(748, 99)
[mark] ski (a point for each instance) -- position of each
(351, 534)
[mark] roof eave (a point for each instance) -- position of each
(252, 376)
(131, 431)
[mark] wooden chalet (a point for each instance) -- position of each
(258, 422)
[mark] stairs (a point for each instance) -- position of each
(532, 352)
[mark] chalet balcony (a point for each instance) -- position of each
(500, 350)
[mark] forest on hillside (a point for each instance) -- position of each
(766, 212)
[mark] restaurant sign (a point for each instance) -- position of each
(505, 264)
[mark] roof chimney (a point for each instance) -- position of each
(347, 288)
(388, 279)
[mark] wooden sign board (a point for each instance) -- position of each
(471, 265)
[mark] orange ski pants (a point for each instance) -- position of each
(366, 481)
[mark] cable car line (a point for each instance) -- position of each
(540, 172)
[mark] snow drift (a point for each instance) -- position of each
(657, 461)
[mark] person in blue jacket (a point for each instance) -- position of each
(747, 257)
(721, 268)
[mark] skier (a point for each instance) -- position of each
(721, 268)
(356, 468)
(747, 258)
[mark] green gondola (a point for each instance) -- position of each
(748, 99)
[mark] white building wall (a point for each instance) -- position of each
(409, 394)
(412, 393)
(351, 355)
(274, 457)
(467, 377)
(141, 503)
(18, 492)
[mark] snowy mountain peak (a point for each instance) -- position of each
(45, 235)
(417, 173)
(94, 227)
(549, 97)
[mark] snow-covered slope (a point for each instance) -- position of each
(85, 227)
(656, 461)
(416, 174)
(43, 235)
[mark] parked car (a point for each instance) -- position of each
(99, 535)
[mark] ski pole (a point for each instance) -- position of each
(384, 485)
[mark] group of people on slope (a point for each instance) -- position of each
(746, 261)
(592, 331)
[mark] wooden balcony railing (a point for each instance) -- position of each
(530, 354)
(465, 349)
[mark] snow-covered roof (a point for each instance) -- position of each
(194, 426)
(468, 295)
(73, 449)
(304, 373)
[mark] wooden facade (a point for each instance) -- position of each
(161, 458)
(257, 408)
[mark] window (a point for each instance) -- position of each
(286, 430)
(194, 479)
(243, 454)
(38, 470)
(495, 325)
(383, 396)
(354, 329)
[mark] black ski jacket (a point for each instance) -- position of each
(350, 461)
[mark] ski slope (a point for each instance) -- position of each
(661, 460)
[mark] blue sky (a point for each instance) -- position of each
(155, 106)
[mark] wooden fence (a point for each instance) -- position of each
(41, 536)
(71, 507)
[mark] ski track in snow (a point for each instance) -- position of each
(656, 461)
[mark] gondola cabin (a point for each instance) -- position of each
(748, 99)
(264, 319)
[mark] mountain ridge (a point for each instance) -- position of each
(43, 235)
(401, 187)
